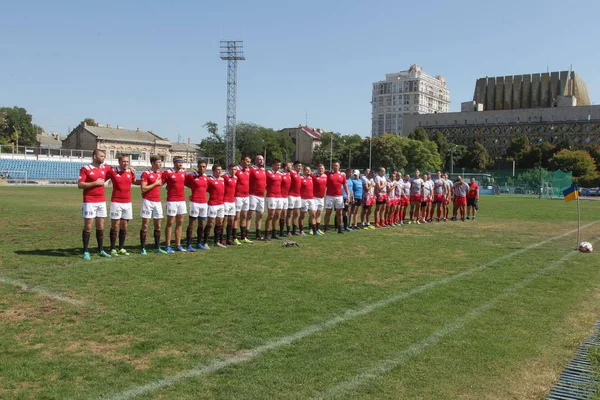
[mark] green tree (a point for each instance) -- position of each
(421, 155)
(16, 127)
(519, 146)
(477, 158)
(419, 134)
(388, 152)
(90, 122)
(214, 145)
(456, 157)
(579, 162)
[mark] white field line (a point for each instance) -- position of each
(385, 366)
(248, 355)
(41, 291)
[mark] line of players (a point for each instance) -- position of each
(238, 196)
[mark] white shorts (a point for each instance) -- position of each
(319, 203)
(242, 204)
(93, 210)
(274, 203)
(151, 209)
(257, 203)
(176, 208)
(285, 203)
(121, 211)
(216, 211)
(308, 205)
(295, 202)
(198, 210)
(336, 202)
(229, 209)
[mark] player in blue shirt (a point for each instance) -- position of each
(357, 188)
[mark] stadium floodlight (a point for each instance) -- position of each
(232, 51)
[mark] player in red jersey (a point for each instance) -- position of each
(308, 203)
(472, 199)
(216, 207)
(197, 182)
(91, 180)
(121, 211)
(294, 198)
(258, 183)
(176, 207)
(460, 190)
(229, 202)
(150, 183)
(336, 180)
(242, 200)
(319, 189)
(274, 200)
(286, 184)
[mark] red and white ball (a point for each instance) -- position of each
(585, 247)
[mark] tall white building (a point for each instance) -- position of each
(406, 92)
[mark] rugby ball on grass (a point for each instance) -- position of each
(585, 247)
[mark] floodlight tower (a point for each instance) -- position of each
(232, 51)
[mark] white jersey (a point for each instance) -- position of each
(428, 188)
(449, 184)
(381, 180)
(372, 190)
(416, 185)
(461, 189)
(399, 187)
(390, 188)
(406, 187)
(438, 186)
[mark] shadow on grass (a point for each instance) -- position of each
(51, 252)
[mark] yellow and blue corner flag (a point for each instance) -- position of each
(571, 193)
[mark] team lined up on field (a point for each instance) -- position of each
(237, 197)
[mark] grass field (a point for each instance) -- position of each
(486, 309)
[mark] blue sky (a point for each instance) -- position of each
(155, 64)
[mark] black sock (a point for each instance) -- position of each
(301, 227)
(206, 233)
(234, 233)
(220, 228)
(100, 238)
(200, 230)
(122, 236)
(314, 228)
(113, 238)
(85, 236)
(229, 232)
(157, 239)
(294, 229)
(282, 227)
(318, 225)
(258, 233)
(188, 235)
(143, 239)
(216, 233)
(345, 219)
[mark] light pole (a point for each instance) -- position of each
(349, 158)
(452, 146)
(370, 148)
(331, 154)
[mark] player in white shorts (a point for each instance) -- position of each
(151, 182)
(294, 198)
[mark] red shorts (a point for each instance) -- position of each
(428, 199)
(381, 198)
(438, 199)
(446, 201)
(460, 201)
(368, 201)
(404, 201)
(415, 198)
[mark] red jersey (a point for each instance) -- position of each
(335, 181)
(89, 173)
(472, 193)
(306, 187)
(198, 184)
(274, 184)
(216, 190)
(286, 183)
(319, 185)
(175, 181)
(121, 181)
(258, 181)
(243, 182)
(230, 188)
(296, 179)
(150, 177)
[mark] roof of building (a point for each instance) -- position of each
(311, 132)
(184, 147)
(52, 139)
(119, 134)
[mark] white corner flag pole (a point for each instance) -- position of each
(578, 221)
